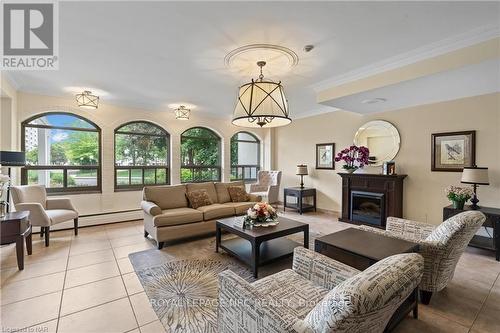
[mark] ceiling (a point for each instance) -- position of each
(152, 54)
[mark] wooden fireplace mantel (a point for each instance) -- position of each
(389, 185)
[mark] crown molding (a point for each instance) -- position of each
(472, 37)
(12, 80)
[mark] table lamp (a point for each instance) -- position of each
(12, 159)
(475, 176)
(302, 171)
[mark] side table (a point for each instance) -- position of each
(300, 194)
(492, 221)
(16, 228)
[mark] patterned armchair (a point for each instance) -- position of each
(268, 185)
(441, 246)
(318, 294)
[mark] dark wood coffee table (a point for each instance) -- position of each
(361, 249)
(258, 246)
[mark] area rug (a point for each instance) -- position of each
(184, 293)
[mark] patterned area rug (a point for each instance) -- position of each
(183, 293)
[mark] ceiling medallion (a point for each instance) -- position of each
(261, 103)
(242, 60)
(182, 113)
(86, 100)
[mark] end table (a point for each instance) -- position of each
(16, 228)
(300, 194)
(492, 221)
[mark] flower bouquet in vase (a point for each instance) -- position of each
(354, 157)
(261, 214)
(458, 195)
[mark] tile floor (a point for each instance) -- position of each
(87, 284)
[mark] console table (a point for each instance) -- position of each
(15, 228)
(300, 194)
(492, 221)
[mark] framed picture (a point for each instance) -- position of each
(325, 155)
(453, 151)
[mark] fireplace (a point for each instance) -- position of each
(371, 198)
(367, 207)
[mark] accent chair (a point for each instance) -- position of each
(318, 294)
(44, 212)
(267, 186)
(441, 246)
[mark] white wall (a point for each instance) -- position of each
(108, 117)
(424, 190)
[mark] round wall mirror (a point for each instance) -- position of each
(381, 137)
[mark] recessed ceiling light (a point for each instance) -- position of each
(374, 100)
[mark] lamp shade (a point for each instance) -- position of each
(12, 158)
(302, 170)
(475, 175)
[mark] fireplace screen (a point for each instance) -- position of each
(367, 207)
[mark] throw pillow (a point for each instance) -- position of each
(198, 198)
(238, 194)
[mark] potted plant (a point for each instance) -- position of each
(261, 214)
(354, 157)
(4, 184)
(458, 195)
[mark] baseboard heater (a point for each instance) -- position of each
(89, 220)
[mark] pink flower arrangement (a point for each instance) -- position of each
(354, 157)
(261, 212)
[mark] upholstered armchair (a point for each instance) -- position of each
(44, 212)
(318, 295)
(267, 186)
(441, 246)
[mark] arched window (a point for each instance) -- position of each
(245, 156)
(200, 155)
(63, 152)
(141, 155)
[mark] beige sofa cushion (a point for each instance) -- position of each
(198, 198)
(238, 194)
(208, 186)
(166, 197)
(176, 216)
(222, 192)
(216, 211)
(240, 208)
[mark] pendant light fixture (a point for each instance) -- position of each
(182, 113)
(86, 100)
(261, 103)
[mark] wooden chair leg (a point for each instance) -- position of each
(76, 226)
(47, 235)
(41, 232)
(146, 234)
(425, 297)
(160, 245)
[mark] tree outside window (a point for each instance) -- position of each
(200, 155)
(62, 152)
(141, 155)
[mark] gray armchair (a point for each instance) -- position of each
(318, 295)
(44, 212)
(267, 186)
(441, 246)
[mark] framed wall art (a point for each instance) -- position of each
(325, 153)
(453, 151)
